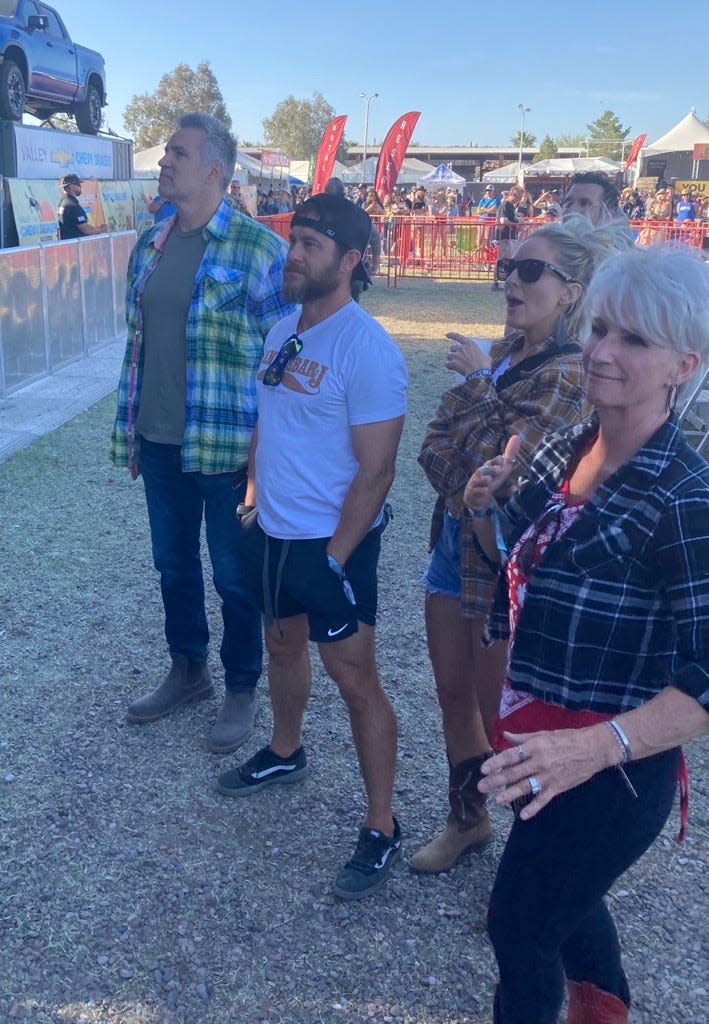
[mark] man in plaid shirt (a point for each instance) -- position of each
(204, 289)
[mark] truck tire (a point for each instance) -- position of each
(88, 113)
(12, 91)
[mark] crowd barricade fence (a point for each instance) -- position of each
(58, 302)
(467, 248)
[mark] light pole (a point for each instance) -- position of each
(523, 110)
(368, 100)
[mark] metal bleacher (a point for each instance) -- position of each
(694, 416)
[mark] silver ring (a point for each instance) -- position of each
(535, 785)
(521, 754)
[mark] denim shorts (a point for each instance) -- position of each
(443, 573)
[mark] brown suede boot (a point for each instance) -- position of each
(591, 1005)
(468, 826)
(235, 722)
(187, 682)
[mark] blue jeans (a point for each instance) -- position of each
(547, 917)
(176, 503)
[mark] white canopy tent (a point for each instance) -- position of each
(411, 170)
(683, 137)
(557, 166)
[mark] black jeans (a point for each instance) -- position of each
(547, 917)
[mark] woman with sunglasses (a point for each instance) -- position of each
(605, 593)
(529, 384)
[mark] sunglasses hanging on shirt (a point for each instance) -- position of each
(288, 350)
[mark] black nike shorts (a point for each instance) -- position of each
(288, 578)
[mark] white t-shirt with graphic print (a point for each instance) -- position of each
(348, 373)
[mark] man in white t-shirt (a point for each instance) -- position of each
(331, 403)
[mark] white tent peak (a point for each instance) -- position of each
(683, 137)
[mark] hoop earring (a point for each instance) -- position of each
(671, 398)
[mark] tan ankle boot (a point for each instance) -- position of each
(235, 722)
(468, 826)
(187, 682)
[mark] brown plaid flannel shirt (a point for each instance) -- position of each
(473, 424)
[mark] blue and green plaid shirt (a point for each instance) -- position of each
(236, 300)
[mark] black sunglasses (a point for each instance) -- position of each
(529, 271)
(527, 549)
(288, 350)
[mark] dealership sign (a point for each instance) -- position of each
(47, 153)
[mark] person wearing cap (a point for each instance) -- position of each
(204, 289)
(684, 210)
(73, 222)
(331, 402)
(489, 204)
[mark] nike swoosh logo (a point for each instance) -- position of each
(336, 632)
(269, 771)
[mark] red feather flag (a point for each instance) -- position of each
(392, 153)
(327, 151)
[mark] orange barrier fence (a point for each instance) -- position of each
(467, 248)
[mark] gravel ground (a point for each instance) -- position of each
(131, 893)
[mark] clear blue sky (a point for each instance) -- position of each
(466, 66)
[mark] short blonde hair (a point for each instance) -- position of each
(660, 292)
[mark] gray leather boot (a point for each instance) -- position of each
(187, 682)
(235, 722)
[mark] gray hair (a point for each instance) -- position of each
(218, 144)
(660, 292)
(580, 248)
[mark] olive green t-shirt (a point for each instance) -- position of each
(166, 302)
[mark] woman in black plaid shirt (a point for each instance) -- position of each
(605, 594)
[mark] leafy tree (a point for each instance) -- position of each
(528, 140)
(547, 150)
(150, 117)
(570, 141)
(606, 135)
(297, 126)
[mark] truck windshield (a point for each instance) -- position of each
(7, 8)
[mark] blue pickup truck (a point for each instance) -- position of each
(43, 72)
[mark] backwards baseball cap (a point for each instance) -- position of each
(342, 221)
(71, 179)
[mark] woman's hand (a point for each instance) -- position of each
(493, 477)
(464, 355)
(549, 763)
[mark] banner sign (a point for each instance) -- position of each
(392, 153)
(700, 151)
(274, 158)
(635, 150)
(34, 206)
(142, 190)
(327, 151)
(117, 202)
(695, 187)
(48, 153)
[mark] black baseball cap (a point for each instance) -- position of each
(342, 221)
(71, 179)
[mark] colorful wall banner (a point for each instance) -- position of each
(327, 151)
(117, 202)
(143, 190)
(34, 205)
(48, 153)
(393, 151)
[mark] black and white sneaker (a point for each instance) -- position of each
(264, 769)
(369, 868)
